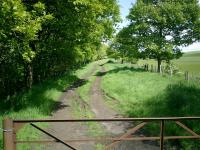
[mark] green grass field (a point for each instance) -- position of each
(143, 94)
(190, 62)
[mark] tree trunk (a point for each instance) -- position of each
(122, 61)
(159, 64)
(29, 76)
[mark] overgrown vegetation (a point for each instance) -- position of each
(142, 94)
(39, 102)
(44, 39)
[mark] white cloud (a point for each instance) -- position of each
(193, 47)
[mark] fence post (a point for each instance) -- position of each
(171, 70)
(161, 69)
(162, 135)
(151, 68)
(8, 137)
(186, 76)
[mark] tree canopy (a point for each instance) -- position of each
(42, 39)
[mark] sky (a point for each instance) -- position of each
(125, 5)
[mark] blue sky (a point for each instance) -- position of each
(125, 5)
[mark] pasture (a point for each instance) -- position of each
(189, 62)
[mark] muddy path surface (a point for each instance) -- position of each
(69, 131)
(116, 129)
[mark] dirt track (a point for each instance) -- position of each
(101, 110)
(116, 129)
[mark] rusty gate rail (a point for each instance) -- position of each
(10, 128)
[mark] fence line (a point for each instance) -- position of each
(188, 76)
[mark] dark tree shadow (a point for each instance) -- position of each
(178, 100)
(108, 62)
(38, 97)
(116, 70)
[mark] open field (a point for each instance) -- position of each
(190, 62)
(136, 93)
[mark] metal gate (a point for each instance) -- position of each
(11, 127)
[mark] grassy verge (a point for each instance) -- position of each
(36, 103)
(143, 94)
(39, 102)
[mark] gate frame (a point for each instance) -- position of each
(10, 128)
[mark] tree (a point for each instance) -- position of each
(42, 39)
(124, 46)
(160, 27)
(18, 29)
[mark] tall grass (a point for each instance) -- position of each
(143, 94)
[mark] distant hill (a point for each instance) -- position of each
(190, 61)
(192, 54)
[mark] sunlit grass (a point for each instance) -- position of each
(136, 93)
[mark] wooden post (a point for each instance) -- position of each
(8, 137)
(186, 76)
(147, 67)
(161, 69)
(171, 71)
(162, 135)
(151, 68)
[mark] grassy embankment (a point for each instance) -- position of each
(136, 93)
(39, 102)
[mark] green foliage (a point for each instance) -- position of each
(39, 102)
(40, 39)
(19, 28)
(124, 47)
